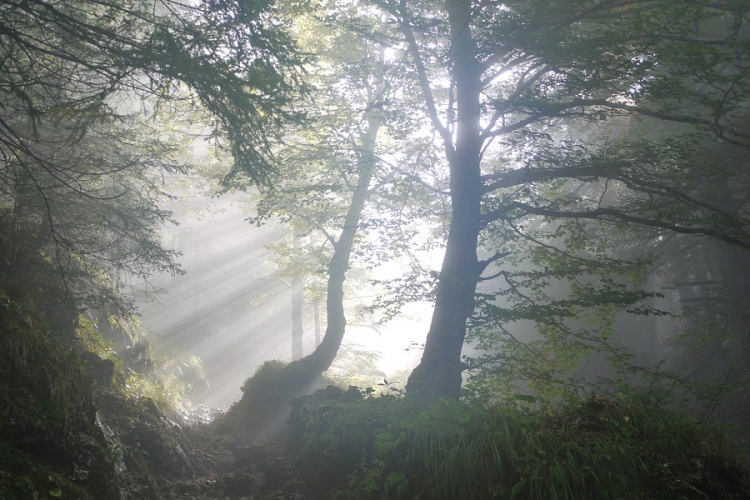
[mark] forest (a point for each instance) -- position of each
(374, 249)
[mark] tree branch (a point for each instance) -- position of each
(424, 82)
(713, 125)
(615, 214)
(526, 175)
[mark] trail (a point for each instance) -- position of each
(247, 473)
(157, 459)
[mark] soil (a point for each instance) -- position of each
(161, 460)
(244, 473)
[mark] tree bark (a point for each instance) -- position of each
(298, 299)
(439, 373)
(316, 319)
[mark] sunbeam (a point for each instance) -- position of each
(231, 311)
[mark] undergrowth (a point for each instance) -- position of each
(394, 448)
(44, 389)
(49, 446)
(25, 476)
(55, 385)
(168, 377)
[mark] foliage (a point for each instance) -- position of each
(56, 366)
(269, 385)
(140, 366)
(354, 365)
(171, 382)
(356, 143)
(46, 405)
(529, 103)
(593, 448)
(45, 389)
(553, 304)
(98, 102)
(24, 476)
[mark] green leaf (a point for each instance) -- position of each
(395, 478)
(517, 488)
(57, 492)
(409, 423)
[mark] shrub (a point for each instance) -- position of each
(393, 448)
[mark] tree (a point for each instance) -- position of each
(514, 72)
(347, 177)
(327, 179)
(82, 168)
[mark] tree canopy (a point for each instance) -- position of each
(504, 83)
(578, 167)
(532, 142)
(91, 95)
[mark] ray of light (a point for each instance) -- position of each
(230, 311)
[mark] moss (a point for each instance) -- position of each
(264, 398)
(45, 388)
(48, 425)
(266, 375)
(260, 416)
(57, 368)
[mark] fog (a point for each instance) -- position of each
(233, 311)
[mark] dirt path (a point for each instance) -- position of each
(246, 473)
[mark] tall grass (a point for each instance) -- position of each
(599, 449)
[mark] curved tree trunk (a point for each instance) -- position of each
(260, 413)
(311, 366)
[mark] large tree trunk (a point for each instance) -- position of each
(440, 370)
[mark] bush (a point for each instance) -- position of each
(394, 448)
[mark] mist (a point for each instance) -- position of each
(233, 310)
(374, 249)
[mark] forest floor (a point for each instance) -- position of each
(149, 456)
(160, 460)
(245, 473)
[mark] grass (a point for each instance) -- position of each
(392, 448)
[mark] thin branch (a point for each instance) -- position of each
(424, 81)
(713, 125)
(612, 213)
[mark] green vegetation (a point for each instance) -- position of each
(592, 448)
(24, 476)
(44, 384)
(562, 153)
(49, 444)
(59, 404)
(63, 387)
